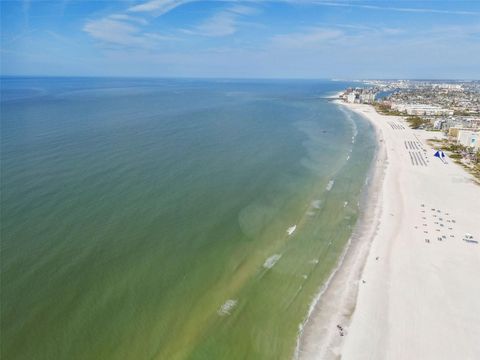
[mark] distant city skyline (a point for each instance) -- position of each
(242, 39)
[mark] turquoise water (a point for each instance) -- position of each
(147, 219)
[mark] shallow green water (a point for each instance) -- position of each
(147, 219)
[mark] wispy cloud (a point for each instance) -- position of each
(123, 29)
(128, 28)
(243, 10)
(422, 10)
(114, 32)
(110, 31)
(133, 27)
(390, 8)
(158, 7)
(222, 23)
(163, 6)
(309, 37)
(126, 17)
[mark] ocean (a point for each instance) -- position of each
(171, 218)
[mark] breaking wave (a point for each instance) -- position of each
(227, 307)
(330, 185)
(271, 261)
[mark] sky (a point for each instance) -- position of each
(313, 39)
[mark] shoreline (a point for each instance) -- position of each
(320, 337)
(407, 285)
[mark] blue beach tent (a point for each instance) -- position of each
(440, 154)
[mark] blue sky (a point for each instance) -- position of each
(247, 39)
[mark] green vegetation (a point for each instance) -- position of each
(454, 148)
(416, 121)
(385, 109)
(456, 156)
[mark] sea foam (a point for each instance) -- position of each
(271, 261)
(291, 229)
(330, 185)
(316, 204)
(227, 307)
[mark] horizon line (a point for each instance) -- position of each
(232, 78)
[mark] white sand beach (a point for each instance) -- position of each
(409, 286)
